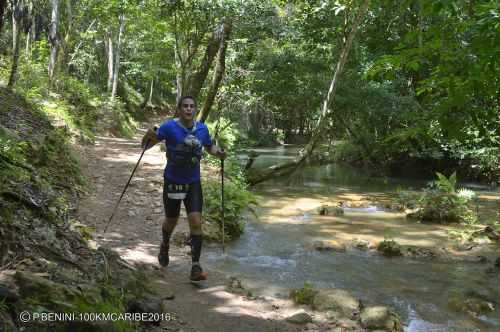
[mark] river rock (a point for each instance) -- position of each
(330, 210)
(180, 238)
(419, 252)
(300, 318)
(331, 245)
(497, 263)
(311, 327)
(473, 303)
(382, 318)
(346, 324)
(338, 300)
(363, 244)
(234, 285)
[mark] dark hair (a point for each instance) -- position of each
(179, 104)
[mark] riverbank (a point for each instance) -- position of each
(220, 304)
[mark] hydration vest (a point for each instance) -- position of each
(187, 153)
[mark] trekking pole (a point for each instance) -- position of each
(126, 186)
(222, 201)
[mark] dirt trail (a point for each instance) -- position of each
(135, 235)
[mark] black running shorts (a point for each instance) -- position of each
(193, 201)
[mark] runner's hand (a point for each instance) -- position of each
(150, 137)
(221, 153)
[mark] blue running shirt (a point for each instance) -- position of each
(184, 148)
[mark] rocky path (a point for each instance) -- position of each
(135, 235)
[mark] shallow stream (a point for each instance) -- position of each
(274, 253)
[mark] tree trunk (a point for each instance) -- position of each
(117, 57)
(109, 50)
(218, 73)
(63, 58)
(30, 28)
(195, 81)
(16, 33)
(3, 5)
(150, 99)
(326, 112)
(53, 38)
(179, 64)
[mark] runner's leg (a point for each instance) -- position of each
(193, 203)
(172, 210)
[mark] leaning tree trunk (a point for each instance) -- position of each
(326, 112)
(195, 81)
(218, 73)
(117, 57)
(53, 39)
(16, 33)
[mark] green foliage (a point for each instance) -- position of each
(12, 150)
(441, 203)
(389, 248)
(55, 158)
(406, 199)
(3, 306)
(236, 200)
(112, 304)
(446, 185)
(445, 50)
(224, 133)
(304, 295)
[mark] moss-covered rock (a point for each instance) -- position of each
(39, 288)
(389, 248)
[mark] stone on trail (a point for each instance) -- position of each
(150, 304)
(8, 294)
(300, 318)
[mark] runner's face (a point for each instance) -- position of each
(188, 109)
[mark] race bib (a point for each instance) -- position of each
(177, 191)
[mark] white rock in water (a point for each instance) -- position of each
(380, 317)
(336, 299)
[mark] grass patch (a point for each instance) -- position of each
(304, 295)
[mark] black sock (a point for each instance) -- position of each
(166, 236)
(196, 240)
